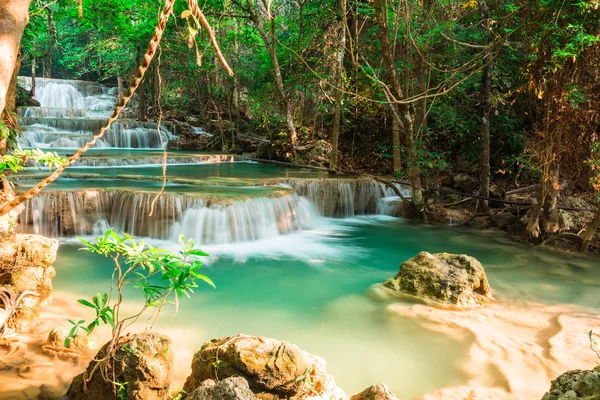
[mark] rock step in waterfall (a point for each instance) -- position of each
(71, 112)
(211, 215)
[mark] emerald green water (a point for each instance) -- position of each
(234, 171)
(232, 192)
(311, 289)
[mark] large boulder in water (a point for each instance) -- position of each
(273, 369)
(143, 363)
(575, 385)
(443, 279)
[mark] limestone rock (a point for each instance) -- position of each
(50, 393)
(503, 220)
(377, 392)
(234, 388)
(466, 183)
(26, 273)
(55, 345)
(575, 385)
(273, 369)
(481, 222)
(443, 279)
(439, 213)
(316, 153)
(574, 220)
(143, 360)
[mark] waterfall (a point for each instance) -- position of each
(71, 112)
(344, 198)
(208, 220)
(246, 220)
(67, 213)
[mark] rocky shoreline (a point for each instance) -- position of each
(516, 348)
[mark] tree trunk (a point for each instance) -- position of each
(550, 222)
(589, 232)
(14, 16)
(269, 41)
(396, 151)
(119, 88)
(486, 109)
(402, 110)
(339, 95)
(11, 98)
(142, 102)
(32, 91)
(47, 60)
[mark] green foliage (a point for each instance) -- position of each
(160, 275)
(19, 158)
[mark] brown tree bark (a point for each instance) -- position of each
(270, 44)
(47, 60)
(14, 16)
(486, 110)
(402, 110)
(339, 95)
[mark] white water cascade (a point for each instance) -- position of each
(207, 220)
(345, 198)
(71, 112)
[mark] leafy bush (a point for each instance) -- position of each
(161, 276)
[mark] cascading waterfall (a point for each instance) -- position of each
(71, 112)
(68, 213)
(247, 220)
(207, 220)
(345, 198)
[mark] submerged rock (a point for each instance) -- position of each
(143, 363)
(273, 369)
(26, 274)
(377, 392)
(234, 388)
(574, 385)
(443, 279)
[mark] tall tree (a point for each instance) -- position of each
(14, 15)
(401, 110)
(486, 109)
(339, 94)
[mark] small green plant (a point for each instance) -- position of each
(594, 344)
(161, 276)
(312, 385)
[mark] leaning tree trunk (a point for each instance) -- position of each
(47, 61)
(402, 110)
(486, 111)
(269, 41)
(14, 16)
(339, 95)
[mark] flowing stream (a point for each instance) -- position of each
(297, 255)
